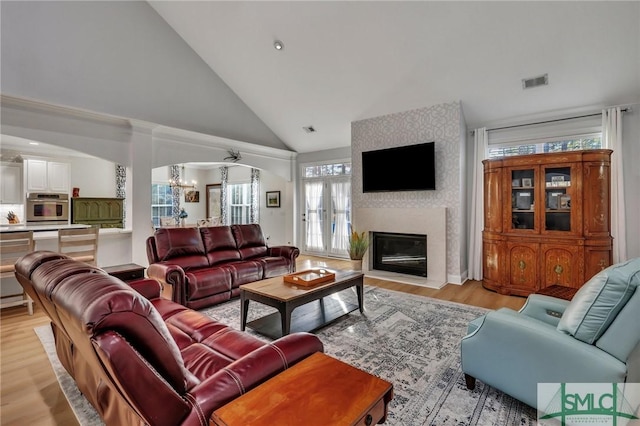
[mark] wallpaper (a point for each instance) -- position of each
(439, 123)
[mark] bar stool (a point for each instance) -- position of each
(79, 244)
(14, 245)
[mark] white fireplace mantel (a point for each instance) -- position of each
(430, 221)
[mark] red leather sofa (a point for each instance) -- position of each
(143, 360)
(204, 266)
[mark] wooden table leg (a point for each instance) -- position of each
(244, 310)
(285, 318)
(360, 291)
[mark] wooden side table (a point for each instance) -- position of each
(318, 391)
(126, 272)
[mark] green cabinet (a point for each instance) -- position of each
(102, 212)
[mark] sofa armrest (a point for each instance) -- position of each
(149, 288)
(288, 252)
(545, 308)
(173, 275)
(253, 369)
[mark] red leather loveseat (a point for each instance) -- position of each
(205, 266)
(143, 360)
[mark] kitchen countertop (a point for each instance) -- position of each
(39, 228)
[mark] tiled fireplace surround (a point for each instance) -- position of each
(410, 221)
(437, 214)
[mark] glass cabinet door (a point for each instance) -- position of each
(523, 199)
(557, 188)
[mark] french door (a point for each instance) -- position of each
(327, 216)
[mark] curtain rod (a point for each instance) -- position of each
(549, 121)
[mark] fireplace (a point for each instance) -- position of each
(401, 253)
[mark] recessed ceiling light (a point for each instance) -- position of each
(278, 45)
(34, 143)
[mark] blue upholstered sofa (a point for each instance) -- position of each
(595, 338)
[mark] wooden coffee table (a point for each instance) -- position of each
(319, 390)
(286, 297)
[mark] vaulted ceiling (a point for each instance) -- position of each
(346, 61)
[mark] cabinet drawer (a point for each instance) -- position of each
(373, 416)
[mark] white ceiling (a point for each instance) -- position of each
(346, 61)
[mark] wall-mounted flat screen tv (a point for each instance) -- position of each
(404, 168)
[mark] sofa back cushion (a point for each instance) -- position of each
(249, 240)
(181, 246)
(219, 244)
(90, 304)
(599, 301)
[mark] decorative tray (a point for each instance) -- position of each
(310, 277)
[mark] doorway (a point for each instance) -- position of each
(327, 216)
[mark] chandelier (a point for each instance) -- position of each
(180, 184)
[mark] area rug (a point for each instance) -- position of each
(411, 341)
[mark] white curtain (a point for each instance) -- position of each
(477, 205)
(341, 198)
(313, 210)
(612, 139)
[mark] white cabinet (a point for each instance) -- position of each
(58, 176)
(47, 176)
(11, 186)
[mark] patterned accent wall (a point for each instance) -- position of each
(121, 181)
(255, 201)
(439, 123)
(174, 172)
(224, 181)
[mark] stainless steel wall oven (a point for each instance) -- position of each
(52, 208)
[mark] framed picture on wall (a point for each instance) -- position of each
(273, 198)
(192, 197)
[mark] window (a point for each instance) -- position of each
(239, 200)
(575, 143)
(161, 202)
(338, 169)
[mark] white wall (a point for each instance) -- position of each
(95, 177)
(119, 58)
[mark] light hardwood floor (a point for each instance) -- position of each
(30, 394)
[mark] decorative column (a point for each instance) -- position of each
(224, 177)
(254, 215)
(174, 176)
(121, 181)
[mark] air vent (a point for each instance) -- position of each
(542, 80)
(309, 129)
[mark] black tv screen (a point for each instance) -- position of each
(405, 168)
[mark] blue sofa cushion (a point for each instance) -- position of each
(599, 301)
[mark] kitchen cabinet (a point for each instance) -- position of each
(101, 212)
(47, 176)
(11, 186)
(547, 220)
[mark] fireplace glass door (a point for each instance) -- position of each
(401, 253)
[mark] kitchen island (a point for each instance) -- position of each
(114, 247)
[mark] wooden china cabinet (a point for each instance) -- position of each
(546, 220)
